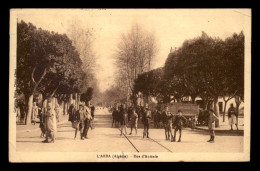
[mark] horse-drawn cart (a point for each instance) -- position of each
(190, 111)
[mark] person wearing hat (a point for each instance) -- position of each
(80, 118)
(168, 117)
(146, 118)
(50, 126)
(179, 122)
(212, 119)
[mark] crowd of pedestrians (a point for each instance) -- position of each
(49, 116)
(123, 117)
(81, 119)
(161, 117)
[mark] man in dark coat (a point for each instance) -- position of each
(179, 122)
(80, 117)
(232, 116)
(92, 111)
(115, 116)
(72, 111)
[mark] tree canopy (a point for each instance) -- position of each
(203, 67)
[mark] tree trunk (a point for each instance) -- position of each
(216, 110)
(65, 108)
(193, 99)
(71, 99)
(178, 100)
(237, 106)
(224, 114)
(29, 112)
(76, 101)
(62, 107)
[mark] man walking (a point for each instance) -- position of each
(87, 110)
(123, 119)
(179, 122)
(168, 117)
(146, 118)
(80, 118)
(71, 112)
(50, 126)
(115, 116)
(133, 121)
(232, 116)
(87, 123)
(212, 119)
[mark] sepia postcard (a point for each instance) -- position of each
(129, 85)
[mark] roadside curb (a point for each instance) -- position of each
(37, 128)
(239, 132)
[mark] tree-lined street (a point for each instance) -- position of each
(142, 71)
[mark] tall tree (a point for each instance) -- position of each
(134, 54)
(46, 60)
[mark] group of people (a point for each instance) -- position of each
(123, 116)
(81, 119)
(48, 123)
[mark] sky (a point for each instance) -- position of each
(170, 26)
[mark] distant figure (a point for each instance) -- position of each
(50, 126)
(57, 110)
(212, 119)
(115, 117)
(43, 121)
(146, 118)
(179, 122)
(87, 122)
(123, 119)
(72, 111)
(93, 111)
(133, 121)
(168, 117)
(232, 116)
(34, 113)
(155, 118)
(87, 110)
